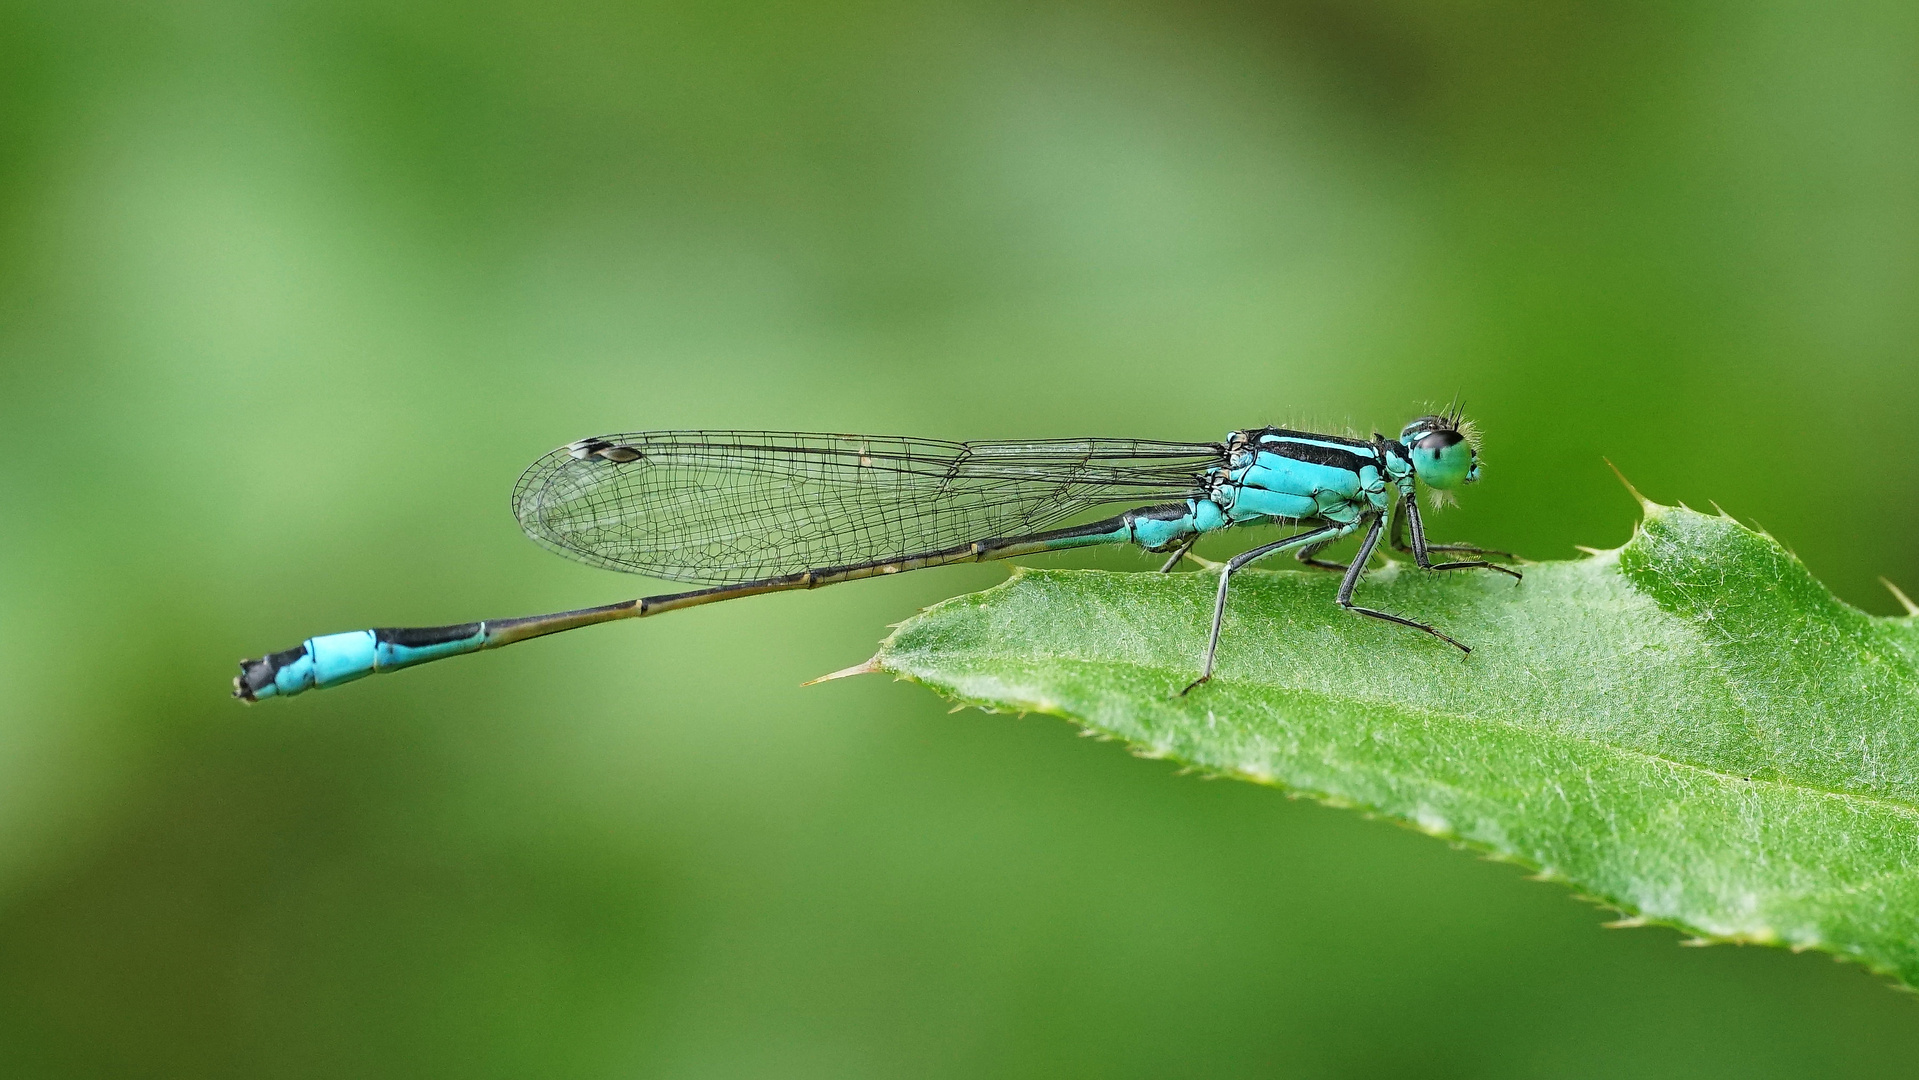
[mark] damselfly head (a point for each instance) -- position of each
(1444, 449)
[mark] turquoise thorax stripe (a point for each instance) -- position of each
(1333, 442)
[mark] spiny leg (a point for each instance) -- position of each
(1179, 553)
(1398, 539)
(1225, 579)
(1351, 582)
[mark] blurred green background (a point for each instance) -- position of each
(289, 293)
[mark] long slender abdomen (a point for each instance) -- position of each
(337, 658)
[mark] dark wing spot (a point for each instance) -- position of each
(606, 451)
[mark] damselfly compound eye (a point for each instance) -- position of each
(1443, 459)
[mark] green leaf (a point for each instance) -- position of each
(1690, 728)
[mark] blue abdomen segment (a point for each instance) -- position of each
(332, 659)
(1157, 528)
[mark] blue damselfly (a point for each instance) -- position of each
(748, 512)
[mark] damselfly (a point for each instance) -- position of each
(748, 512)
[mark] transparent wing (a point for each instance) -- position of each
(721, 507)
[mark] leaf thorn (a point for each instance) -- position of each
(1644, 503)
(868, 667)
(1904, 600)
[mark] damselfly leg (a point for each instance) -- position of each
(1400, 544)
(1179, 553)
(1325, 534)
(1421, 550)
(1309, 555)
(1351, 582)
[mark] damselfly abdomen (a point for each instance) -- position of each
(747, 512)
